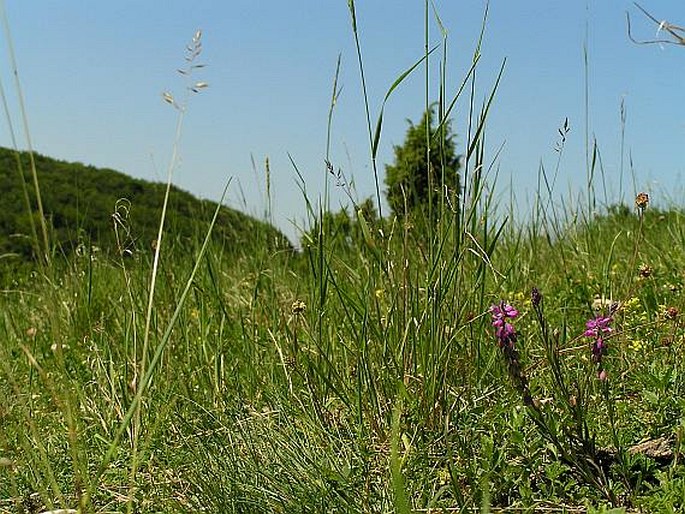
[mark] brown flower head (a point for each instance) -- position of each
(645, 271)
(298, 307)
(641, 201)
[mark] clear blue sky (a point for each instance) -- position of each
(93, 73)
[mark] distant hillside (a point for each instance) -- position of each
(79, 202)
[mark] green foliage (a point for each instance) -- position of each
(83, 203)
(413, 183)
(375, 384)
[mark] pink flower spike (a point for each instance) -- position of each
(598, 326)
(509, 311)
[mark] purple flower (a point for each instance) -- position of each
(596, 329)
(598, 326)
(501, 311)
(506, 335)
(535, 297)
(598, 349)
(505, 332)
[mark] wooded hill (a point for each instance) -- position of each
(83, 204)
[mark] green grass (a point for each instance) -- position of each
(361, 374)
(388, 389)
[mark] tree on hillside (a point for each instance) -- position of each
(407, 180)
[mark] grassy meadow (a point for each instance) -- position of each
(474, 363)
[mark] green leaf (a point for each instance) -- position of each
(398, 81)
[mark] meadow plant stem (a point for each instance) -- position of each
(428, 135)
(151, 296)
(588, 168)
(35, 241)
(639, 240)
(45, 255)
(576, 446)
(329, 125)
(623, 113)
(353, 15)
(160, 233)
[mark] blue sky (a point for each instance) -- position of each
(93, 72)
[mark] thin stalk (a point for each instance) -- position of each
(589, 169)
(27, 133)
(20, 170)
(160, 234)
(151, 297)
(193, 50)
(353, 14)
(623, 142)
(329, 124)
(427, 106)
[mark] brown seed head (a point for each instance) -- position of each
(641, 201)
(298, 307)
(672, 313)
(645, 271)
